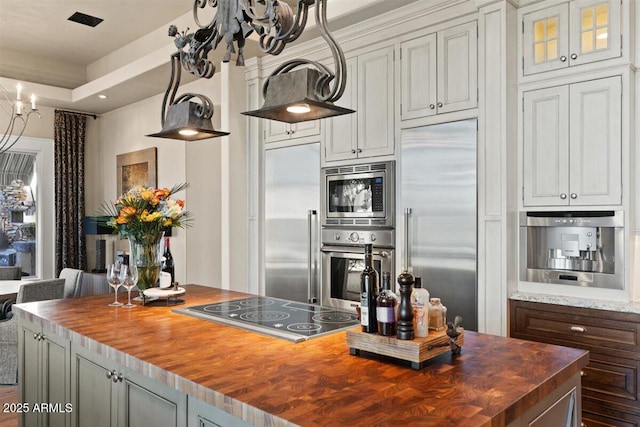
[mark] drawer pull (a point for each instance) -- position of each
(583, 373)
(580, 329)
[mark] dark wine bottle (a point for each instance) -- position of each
(369, 292)
(386, 308)
(167, 263)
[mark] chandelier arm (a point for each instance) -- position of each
(338, 55)
(6, 148)
(275, 44)
(174, 82)
(200, 4)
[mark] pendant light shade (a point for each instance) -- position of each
(291, 97)
(183, 122)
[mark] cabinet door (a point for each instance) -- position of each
(546, 147)
(376, 103)
(92, 394)
(56, 379)
(595, 148)
(29, 369)
(305, 129)
(563, 412)
(594, 30)
(276, 131)
(341, 136)
(418, 80)
(280, 131)
(458, 68)
(546, 39)
(145, 402)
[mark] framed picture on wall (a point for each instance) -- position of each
(137, 168)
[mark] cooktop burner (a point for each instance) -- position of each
(291, 320)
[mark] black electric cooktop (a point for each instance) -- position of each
(294, 321)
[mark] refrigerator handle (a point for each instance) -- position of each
(407, 216)
(311, 270)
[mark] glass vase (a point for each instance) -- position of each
(146, 254)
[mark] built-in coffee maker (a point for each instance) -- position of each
(573, 248)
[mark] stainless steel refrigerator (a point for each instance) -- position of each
(439, 201)
(292, 202)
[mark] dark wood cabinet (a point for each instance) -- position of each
(610, 393)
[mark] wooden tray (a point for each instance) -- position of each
(416, 351)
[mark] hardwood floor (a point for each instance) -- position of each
(8, 394)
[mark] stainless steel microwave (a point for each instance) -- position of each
(359, 195)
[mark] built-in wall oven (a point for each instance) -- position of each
(359, 195)
(583, 248)
(343, 261)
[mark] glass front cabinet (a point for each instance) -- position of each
(570, 34)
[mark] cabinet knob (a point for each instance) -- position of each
(583, 374)
(42, 337)
(583, 424)
(35, 336)
(563, 196)
(440, 104)
(574, 196)
(353, 151)
(580, 329)
(359, 150)
(117, 378)
(563, 58)
(574, 56)
(432, 106)
(288, 132)
(110, 374)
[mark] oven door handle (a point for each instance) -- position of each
(311, 270)
(381, 252)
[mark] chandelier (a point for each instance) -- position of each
(298, 90)
(17, 115)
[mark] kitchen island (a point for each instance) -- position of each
(195, 371)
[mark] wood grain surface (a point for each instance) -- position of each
(270, 381)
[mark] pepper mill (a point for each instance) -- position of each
(405, 311)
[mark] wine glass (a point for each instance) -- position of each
(115, 274)
(129, 281)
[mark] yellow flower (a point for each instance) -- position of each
(145, 216)
(149, 195)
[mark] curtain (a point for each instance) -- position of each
(69, 138)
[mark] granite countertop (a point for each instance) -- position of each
(619, 306)
(271, 381)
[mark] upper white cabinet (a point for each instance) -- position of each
(439, 72)
(572, 144)
(369, 90)
(280, 131)
(568, 34)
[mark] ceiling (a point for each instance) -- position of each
(126, 57)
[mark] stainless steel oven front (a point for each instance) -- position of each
(359, 195)
(343, 261)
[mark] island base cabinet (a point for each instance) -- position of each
(43, 380)
(202, 414)
(107, 394)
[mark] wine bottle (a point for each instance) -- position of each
(369, 292)
(420, 304)
(386, 308)
(167, 263)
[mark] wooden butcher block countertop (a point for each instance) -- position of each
(272, 381)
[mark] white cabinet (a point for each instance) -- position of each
(280, 131)
(572, 144)
(568, 34)
(369, 90)
(43, 377)
(439, 72)
(106, 394)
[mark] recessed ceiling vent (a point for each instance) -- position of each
(85, 19)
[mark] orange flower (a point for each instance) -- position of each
(180, 203)
(127, 211)
(161, 193)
